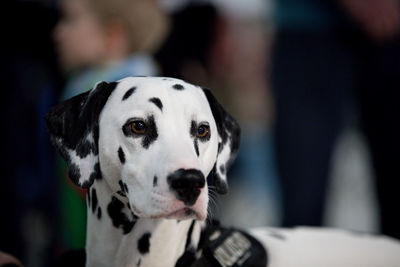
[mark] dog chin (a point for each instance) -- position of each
(186, 213)
(181, 214)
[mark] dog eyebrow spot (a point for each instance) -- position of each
(178, 87)
(144, 243)
(157, 102)
(121, 155)
(151, 134)
(129, 93)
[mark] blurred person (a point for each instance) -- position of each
(185, 53)
(333, 63)
(102, 40)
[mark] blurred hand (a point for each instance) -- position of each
(8, 259)
(380, 19)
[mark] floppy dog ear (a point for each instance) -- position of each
(228, 144)
(74, 131)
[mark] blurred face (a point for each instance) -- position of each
(79, 37)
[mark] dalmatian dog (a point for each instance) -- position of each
(149, 151)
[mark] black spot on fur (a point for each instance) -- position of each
(99, 213)
(193, 129)
(178, 87)
(139, 262)
(128, 93)
(121, 155)
(196, 147)
(124, 188)
(144, 243)
(121, 185)
(157, 102)
(222, 169)
(151, 133)
(96, 174)
(94, 200)
(118, 217)
(189, 234)
(155, 181)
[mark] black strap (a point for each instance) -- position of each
(229, 247)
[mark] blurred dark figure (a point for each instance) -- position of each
(186, 51)
(29, 87)
(332, 58)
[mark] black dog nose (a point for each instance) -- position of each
(186, 184)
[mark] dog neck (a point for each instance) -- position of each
(115, 237)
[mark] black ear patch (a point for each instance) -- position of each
(74, 130)
(229, 135)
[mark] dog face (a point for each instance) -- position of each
(156, 140)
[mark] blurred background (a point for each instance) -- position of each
(314, 85)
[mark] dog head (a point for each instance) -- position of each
(153, 139)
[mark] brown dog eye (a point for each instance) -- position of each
(203, 131)
(138, 127)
